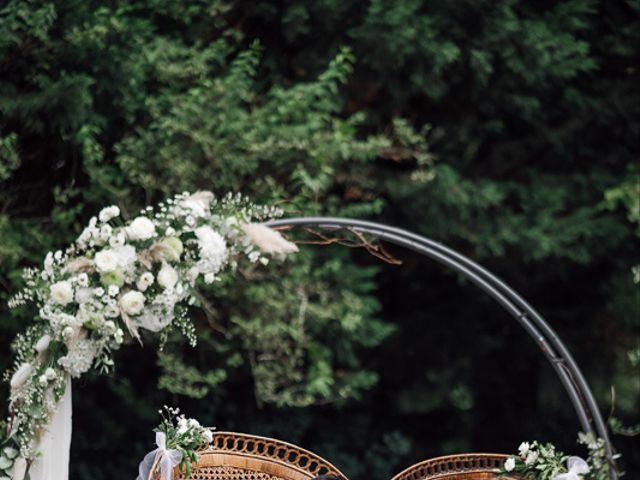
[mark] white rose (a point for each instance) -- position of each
(532, 457)
(42, 344)
(68, 333)
(61, 292)
(510, 464)
(19, 469)
(198, 203)
(108, 213)
(42, 379)
(50, 373)
(105, 232)
(167, 276)
(21, 376)
(183, 426)
(132, 302)
(145, 281)
(208, 435)
(48, 262)
(106, 260)
(523, 449)
(72, 320)
(141, 228)
(113, 290)
(126, 254)
(83, 295)
(118, 336)
(211, 243)
(192, 273)
(117, 240)
(85, 236)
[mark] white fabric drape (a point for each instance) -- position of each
(55, 444)
(166, 460)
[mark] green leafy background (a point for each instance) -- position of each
(508, 130)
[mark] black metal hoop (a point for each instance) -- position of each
(553, 348)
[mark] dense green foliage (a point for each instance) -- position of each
(509, 130)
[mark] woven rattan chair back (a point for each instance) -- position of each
(236, 456)
(474, 466)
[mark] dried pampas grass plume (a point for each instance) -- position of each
(80, 264)
(269, 241)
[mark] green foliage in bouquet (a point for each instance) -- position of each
(537, 461)
(184, 435)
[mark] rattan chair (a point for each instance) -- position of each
(236, 456)
(473, 466)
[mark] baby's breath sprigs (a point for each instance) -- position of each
(118, 280)
(185, 435)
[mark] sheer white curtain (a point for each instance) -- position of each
(55, 443)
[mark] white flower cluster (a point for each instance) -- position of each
(191, 427)
(536, 460)
(528, 456)
(181, 439)
(123, 277)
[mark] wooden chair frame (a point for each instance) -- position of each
(473, 466)
(251, 457)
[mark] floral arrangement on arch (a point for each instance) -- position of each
(537, 461)
(118, 278)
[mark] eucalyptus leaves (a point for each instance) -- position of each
(117, 279)
(11, 464)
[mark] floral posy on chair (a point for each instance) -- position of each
(544, 462)
(178, 439)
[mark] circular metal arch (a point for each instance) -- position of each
(546, 338)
